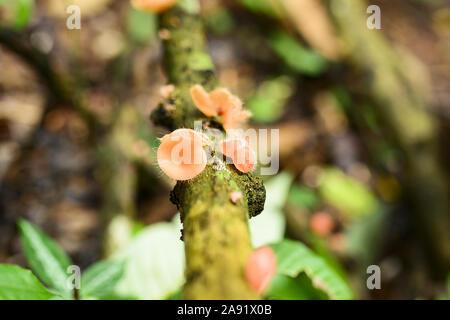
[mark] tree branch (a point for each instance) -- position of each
(61, 89)
(216, 234)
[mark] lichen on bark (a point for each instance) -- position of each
(215, 229)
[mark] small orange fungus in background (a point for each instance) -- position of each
(261, 268)
(239, 150)
(235, 196)
(166, 90)
(154, 6)
(220, 102)
(321, 223)
(181, 155)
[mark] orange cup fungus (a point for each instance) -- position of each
(181, 155)
(261, 268)
(220, 102)
(239, 150)
(153, 6)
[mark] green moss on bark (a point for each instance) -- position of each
(215, 229)
(216, 234)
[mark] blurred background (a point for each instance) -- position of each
(364, 120)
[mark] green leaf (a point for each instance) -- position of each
(345, 193)
(24, 13)
(321, 248)
(284, 287)
(155, 263)
(220, 21)
(267, 104)
(294, 257)
(261, 7)
(18, 13)
(269, 226)
(17, 283)
(303, 197)
(100, 279)
(297, 57)
(142, 26)
(45, 257)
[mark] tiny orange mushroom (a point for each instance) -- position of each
(153, 6)
(321, 223)
(220, 102)
(261, 268)
(181, 155)
(203, 101)
(239, 150)
(166, 90)
(235, 196)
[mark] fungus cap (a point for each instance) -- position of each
(322, 223)
(261, 268)
(153, 6)
(203, 101)
(238, 149)
(180, 154)
(220, 102)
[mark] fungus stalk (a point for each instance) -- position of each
(215, 228)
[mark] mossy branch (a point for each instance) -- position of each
(216, 234)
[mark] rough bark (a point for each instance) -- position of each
(216, 234)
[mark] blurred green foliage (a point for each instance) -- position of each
(348, 195)
(100, 279)
(155, 262)
(17, 283)
(294, 258)
(47, 260)
(303, 197)
(296, 56)
(142, 26)
(20, 12)
(267, 103)
(260, 6)
(51, 264)
(284, 287)
(220, 21)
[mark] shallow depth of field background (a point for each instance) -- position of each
(347, 186)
